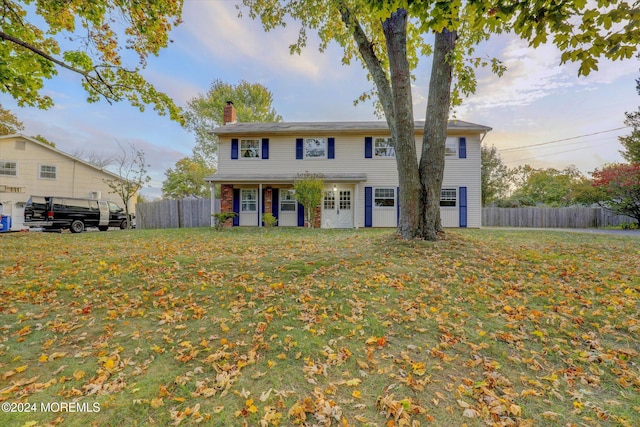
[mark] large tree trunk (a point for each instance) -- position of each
(395, 30)
(419, 184)
(435, 132)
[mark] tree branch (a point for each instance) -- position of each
(16, 15)
(373, 64)
(39, 52)
(90, 79)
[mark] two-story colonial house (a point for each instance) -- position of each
(259, 162)
(29, 167)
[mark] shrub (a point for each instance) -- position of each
(269, 220)
(308, 192)
(221, 218)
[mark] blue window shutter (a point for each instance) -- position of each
(368, 206)
(462, 201)
(234, 149)
(299, 148)
(275, 202)
(236, 206)
(397, 205)
(265, 148)
(331, 154)
(300, 215)
(368, 147)
(462, 148)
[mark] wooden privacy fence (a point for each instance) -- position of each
(181, 213)
(574, 217)
(197, 213)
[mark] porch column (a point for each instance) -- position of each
(213, 204)
(355, 205)
(260, 202)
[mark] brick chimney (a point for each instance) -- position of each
(229, 115)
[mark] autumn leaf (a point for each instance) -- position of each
(350, 337)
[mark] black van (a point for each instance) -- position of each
(57, 213)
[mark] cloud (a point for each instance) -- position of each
(218, 31)
(531, 75)
(180, 90)
(534, 74)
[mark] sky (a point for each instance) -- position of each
(561, 119)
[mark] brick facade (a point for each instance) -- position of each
(268, 201)
(317, 220)
(226, 201)
(226, 204)
(229, 114)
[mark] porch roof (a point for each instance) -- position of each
(284, 178)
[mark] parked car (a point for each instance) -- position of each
(58, 213)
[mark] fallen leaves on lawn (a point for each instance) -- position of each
(329, 329)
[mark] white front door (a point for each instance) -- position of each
(249, 207)
(337, 208)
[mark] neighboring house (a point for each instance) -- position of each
(258, 163)
(29, 167)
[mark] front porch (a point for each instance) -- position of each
(253, 196)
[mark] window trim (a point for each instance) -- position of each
(449, 199)
(291, 201)
(455, 144)
(257, 150)
(326, 149)
(389, 146)
(393, 197)
(49, 178)
(3, 169)
(244, 201)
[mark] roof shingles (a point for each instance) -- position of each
(338, 127)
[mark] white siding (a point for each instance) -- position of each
(350, 158)
(74, 178)
(288, 219)
(450, 216)
(249, 219)
(384, 217)
(465, 173)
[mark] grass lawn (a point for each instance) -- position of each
(319, 327)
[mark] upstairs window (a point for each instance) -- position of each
(448, 197)
(8, 168)
(383, 148)
(47, 172)
(315, 148)
(451, 147)
(250, 148)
